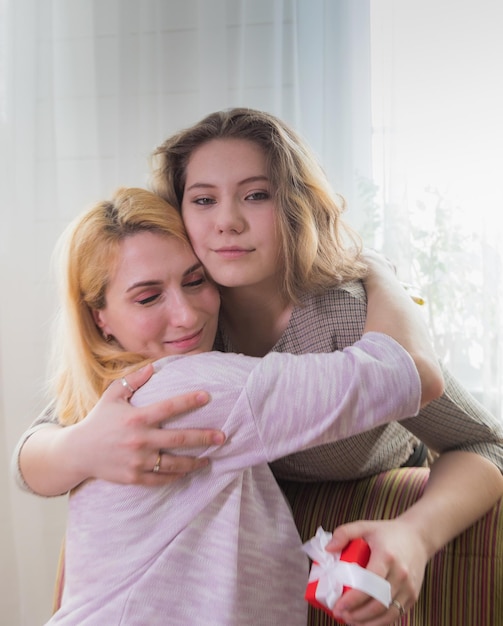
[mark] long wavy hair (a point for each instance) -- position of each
(83, 361)
(318, 249)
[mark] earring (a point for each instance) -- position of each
(107, 337)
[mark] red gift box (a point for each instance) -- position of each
(357, 551)
(334, 573)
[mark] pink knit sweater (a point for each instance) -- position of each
(219, 547)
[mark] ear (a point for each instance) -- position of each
(99, 318)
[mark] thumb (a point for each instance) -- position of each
(342, 535)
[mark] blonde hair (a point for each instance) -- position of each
(319, 250)
(84, 362)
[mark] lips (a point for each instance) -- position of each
(187, 342)
(232, 252)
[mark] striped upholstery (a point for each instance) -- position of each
(463, 583)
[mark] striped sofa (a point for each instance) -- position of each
(463, 583)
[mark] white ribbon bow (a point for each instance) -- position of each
(333, 574)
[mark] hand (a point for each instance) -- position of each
(375, 260)
(397, 555)
(121, 443)
(392, 312)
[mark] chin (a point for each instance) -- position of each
(230, 280)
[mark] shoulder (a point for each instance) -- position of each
(208, 366)
(342, 309)
(326, 321)
(346, 296)
(209, 370)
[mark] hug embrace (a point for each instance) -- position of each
(302, 358)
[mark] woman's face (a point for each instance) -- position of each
(230, 215)
(159, 301)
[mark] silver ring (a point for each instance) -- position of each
(398, 606)
(157, 465)
(126, 385)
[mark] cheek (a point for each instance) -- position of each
(188, 219)
(208, 302)
(195, 226)
(142, 328)
(275, 243)
(212, 301)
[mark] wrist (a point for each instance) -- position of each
(70, 449)
(60, 466)
(425, 529)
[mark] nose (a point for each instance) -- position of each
(182, 312)
(229, 217)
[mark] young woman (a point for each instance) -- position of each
(262, 217)
(264, 222)
(133, 291)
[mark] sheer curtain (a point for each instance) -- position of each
(435, 202)
(87, 89)
(401, 99)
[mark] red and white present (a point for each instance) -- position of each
(332, 573)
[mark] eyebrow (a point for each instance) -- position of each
(152, 283)
(245, 181)
(192, 268)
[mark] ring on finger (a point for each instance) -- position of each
(126, 385)
(399, 607)
(157, 465)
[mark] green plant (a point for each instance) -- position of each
(450, 266)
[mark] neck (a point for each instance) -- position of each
(254, 319)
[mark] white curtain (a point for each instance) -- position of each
(87, 89)
(401, 100)
(435, 201)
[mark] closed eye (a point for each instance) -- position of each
(196, 282)
(148, 300)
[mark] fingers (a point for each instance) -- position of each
(176, 466)
(157, 464)
(375, 259)
(396, 557)
(153, 416)
(399, 607)
(167, 468)
(357, 607)
(371, 613)
(157, 443)
(159, 412)
(152, 448)
(125, 440)
(166, 439)
(139, 377)
(342, 535)
(125, 387)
